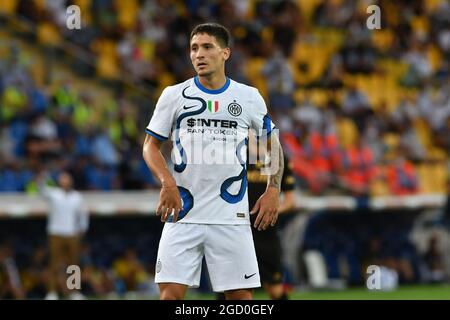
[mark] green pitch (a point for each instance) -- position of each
(417, 292)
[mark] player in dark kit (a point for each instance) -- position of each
(267, 242)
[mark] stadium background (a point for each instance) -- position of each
(363, 116)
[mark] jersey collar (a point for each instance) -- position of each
(209, 91)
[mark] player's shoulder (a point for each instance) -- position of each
(244, 89)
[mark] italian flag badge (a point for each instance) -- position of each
(213, 106)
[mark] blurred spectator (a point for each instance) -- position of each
(356, 106)
(36, 274)
(419, 65)
(379, 256)
(129, 269)
(401, 175)
(6, 142)
(10, 282)
(42, 139)
(68, 221)
(103, 151)
(357, 169)
(279, 81)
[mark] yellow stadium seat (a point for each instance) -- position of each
(378, 188)
(165, 79)
(441, 176)
(314, 56)
(128, 11)
(48, 34)
(253, 70)
(299, 96)
(391, 140)
(85, 8)
(38, 70)
(40, 4)
(433, 5)
(8, 7)
(435, 57)
(433, 178)
(382, 39)
(267, 34)
(319, 97)
(392, 67)
(346, 132)
(424, 133)
(107, 63)
(308, 8)
(424, 177)
(420, 24)
(148, 49)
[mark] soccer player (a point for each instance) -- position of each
(267, 242)
(203, 200)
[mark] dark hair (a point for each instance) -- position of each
(221, 33)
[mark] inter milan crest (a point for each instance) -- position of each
(234, 109)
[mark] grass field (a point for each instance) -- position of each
(418, 292)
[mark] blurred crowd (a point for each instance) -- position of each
(360, 111)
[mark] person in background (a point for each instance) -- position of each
(267, 242)
(10, 283)
(67, 222)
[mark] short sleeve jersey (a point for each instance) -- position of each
(209, 130)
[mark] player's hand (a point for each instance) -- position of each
(267, 205)
(169, 202)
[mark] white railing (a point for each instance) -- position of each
(144, 202)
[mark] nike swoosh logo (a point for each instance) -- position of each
(186, 108)
(247, 277)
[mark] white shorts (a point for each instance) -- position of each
(228, 249)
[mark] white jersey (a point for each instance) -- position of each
(68, 215)
(209, 130)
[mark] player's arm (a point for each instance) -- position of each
(42, 187)
(287, 202)
(274, 180)
(268, 203)
(169, 200)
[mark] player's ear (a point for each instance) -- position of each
(226, 53)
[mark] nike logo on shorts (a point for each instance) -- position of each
(247, 277)
(186, 108)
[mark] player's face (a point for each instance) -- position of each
(207, 56)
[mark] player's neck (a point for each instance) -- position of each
(213, 82)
